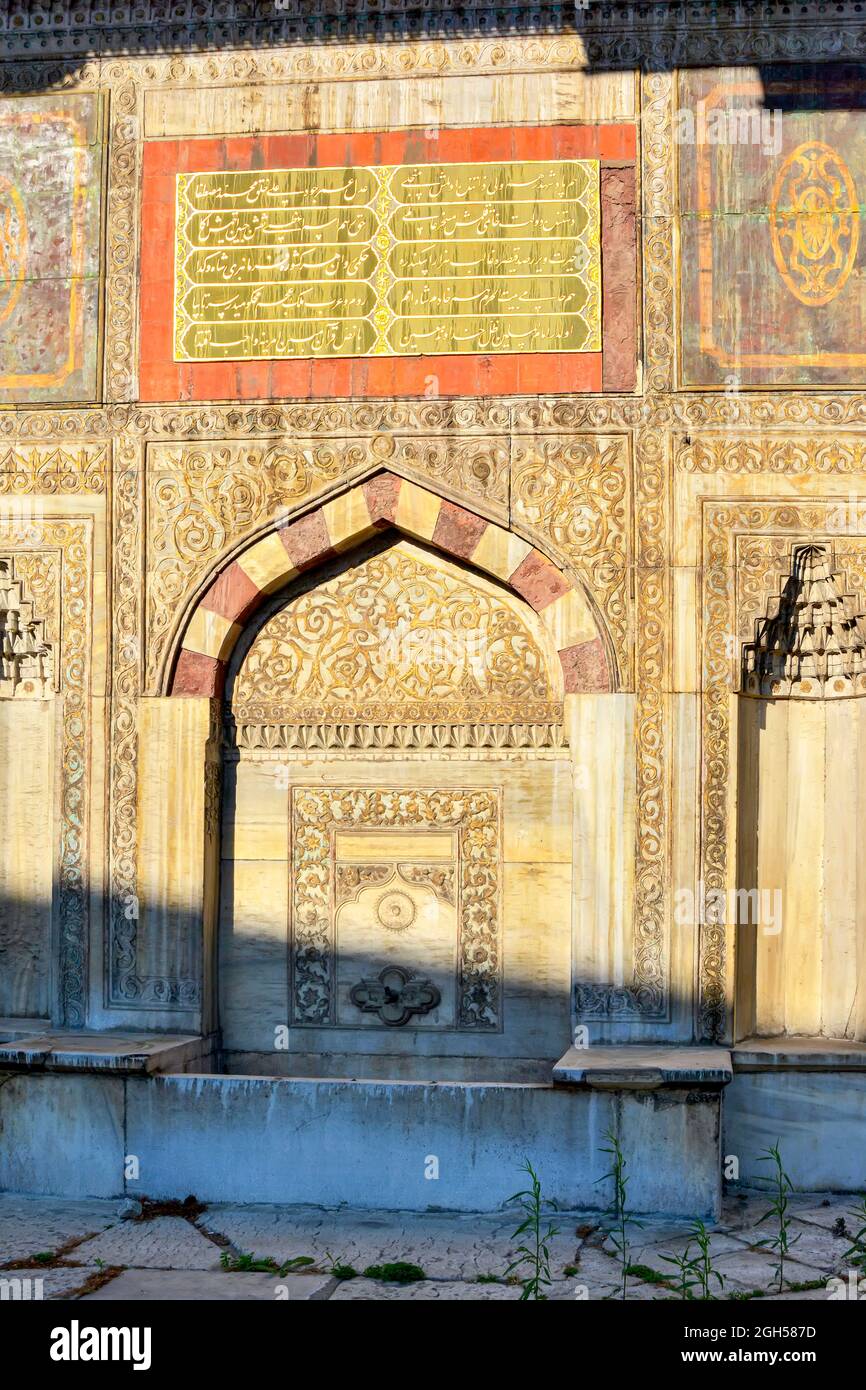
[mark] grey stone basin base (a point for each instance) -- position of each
(398, 1145)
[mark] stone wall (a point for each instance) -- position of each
(653, 483)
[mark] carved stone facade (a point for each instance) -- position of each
(26, 657)
(611, 549)
(812, 646)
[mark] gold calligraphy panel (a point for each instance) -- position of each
(399, 261)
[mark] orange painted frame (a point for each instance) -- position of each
(19, 381)
(716, 97)
(161, 378)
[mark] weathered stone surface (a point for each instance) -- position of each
(458, 531)
(166, 1242)
(374, 1290)
(584, 667)
(538, 581)
(446, 1246)
(619, 307)
(642, 1067)
(33, 1225)
(597, 1271)
(818, 1247)
(802, 1295)
(828, 1211)
(653, 1255)
(745, 1210)
(306, 541)
(193, 1285)
(39, 1283)
(755, 1269)
(74, 1050)
(168, 1258)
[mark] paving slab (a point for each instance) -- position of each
(804, 1296)
(445, 1245)
(649, 1237)
(169, 1257)
(194, 1285)
(598, 1271)
(166, 1242)
(746, 1211)
(651, 1233)
(31, 1225)
(636, 1291)
(61, 1282)
(816, 1246)
(427, 1291)
(575, 1291)
(653, 1255)
(827, 1212)
(755, 1269)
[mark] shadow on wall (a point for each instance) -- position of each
(622, 37)
(386, 1018)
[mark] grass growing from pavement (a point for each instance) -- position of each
(400, 1272)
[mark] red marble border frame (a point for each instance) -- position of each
(163, 379)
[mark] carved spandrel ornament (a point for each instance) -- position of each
(202, 499)
(574, 491)
(811, 645)
(399, 639)
(27, 664)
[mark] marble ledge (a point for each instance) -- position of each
(123, 1053)
(798, 1054)
(643, 1068)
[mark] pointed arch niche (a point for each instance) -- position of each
(380, 693)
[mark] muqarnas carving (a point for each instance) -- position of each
(26, 658)
(812, 646)
(50, 193)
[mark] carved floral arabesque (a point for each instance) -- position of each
(128, 984)
(396, 639)
(475, 815)
(744, 453)
(575, 492)
(460, 420)
(68, 544)
(53, 469)
(43, 546)
(465, 416)
(121, 234)
(350, 880)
